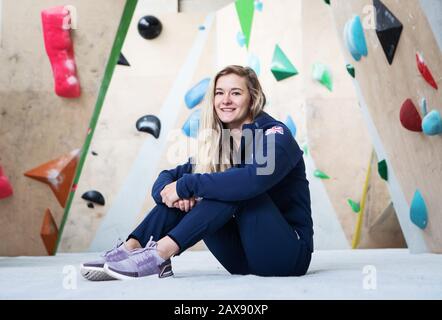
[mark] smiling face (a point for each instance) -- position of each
(232, 101)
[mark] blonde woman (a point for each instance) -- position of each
(249, 202)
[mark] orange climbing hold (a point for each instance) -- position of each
(49, 232)
(58, 174)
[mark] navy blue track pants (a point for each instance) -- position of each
(247, 237)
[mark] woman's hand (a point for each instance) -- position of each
(185, 204)
(169, 194)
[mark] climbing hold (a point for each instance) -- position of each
(418, 210)
(319, 174)
(388, 29)
(94, 153)
(196, 94)
(423, 106)
(281, 66)
(90, 205)
(425, 71)
(201, 28)
(258, 5)
(355, 206)
(241, 39)
(49, 232)
(327, 2)
(245, 9)
(410, 117)
(123, 61)
(60, 50)
(5, 186)
(253, 62)
(351, 70)
(150, 124)
(305, 149)
(149, 27)
(190, 127)
(322, 74)
(291, 125)
(58, 174)
(354, 38)
(94, 197)
(432, 123)
(383, 169)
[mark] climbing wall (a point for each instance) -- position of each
(41, 132)
(383, 49)
(122, 162)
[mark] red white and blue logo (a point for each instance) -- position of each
(274, 130)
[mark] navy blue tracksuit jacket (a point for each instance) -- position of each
(265, 197)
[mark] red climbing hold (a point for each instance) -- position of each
(5, 186)
(410, 117)
(425, 72)
(60, 50)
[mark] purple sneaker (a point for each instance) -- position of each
(140, 263)
(93, 270)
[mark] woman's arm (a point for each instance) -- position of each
(167, 176)
(237, 184)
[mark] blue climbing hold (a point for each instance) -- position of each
(355, 39)
(418, 210)
(254, 64)
(190, 127)
(432, 123)
(196, 94)
(291, 125)
(241, 39)
(258, 5)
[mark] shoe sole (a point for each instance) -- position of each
(119, 276)
(94, 273)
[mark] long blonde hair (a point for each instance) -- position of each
(210, 157)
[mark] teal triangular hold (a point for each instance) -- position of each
(245, 9)
(351, 70)
(354, 38)
(254, 64)
(432, 123)
(321, 175)
(281, 67)
(291, 125)
(355, 206)
(383, 169)
(190, 127)
(196, 94)
(322, 74)
(418, 210)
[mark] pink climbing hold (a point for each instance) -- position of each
(425, 71)
(60, 50)
(5, 186)
(410, 117)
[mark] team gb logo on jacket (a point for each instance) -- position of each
(274, 130)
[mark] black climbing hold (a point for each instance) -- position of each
(149, 27)
(388, 29)
(94, 153)
(123, 61)
(150, 124)
(90, 205)
(93, 196)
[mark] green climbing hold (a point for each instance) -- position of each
(327, 2)
(305, 149)
(245, 9)
(383, 169)
(281, 66)
(351, 70)
(321, 175)
(355, 206)
(322, 74)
